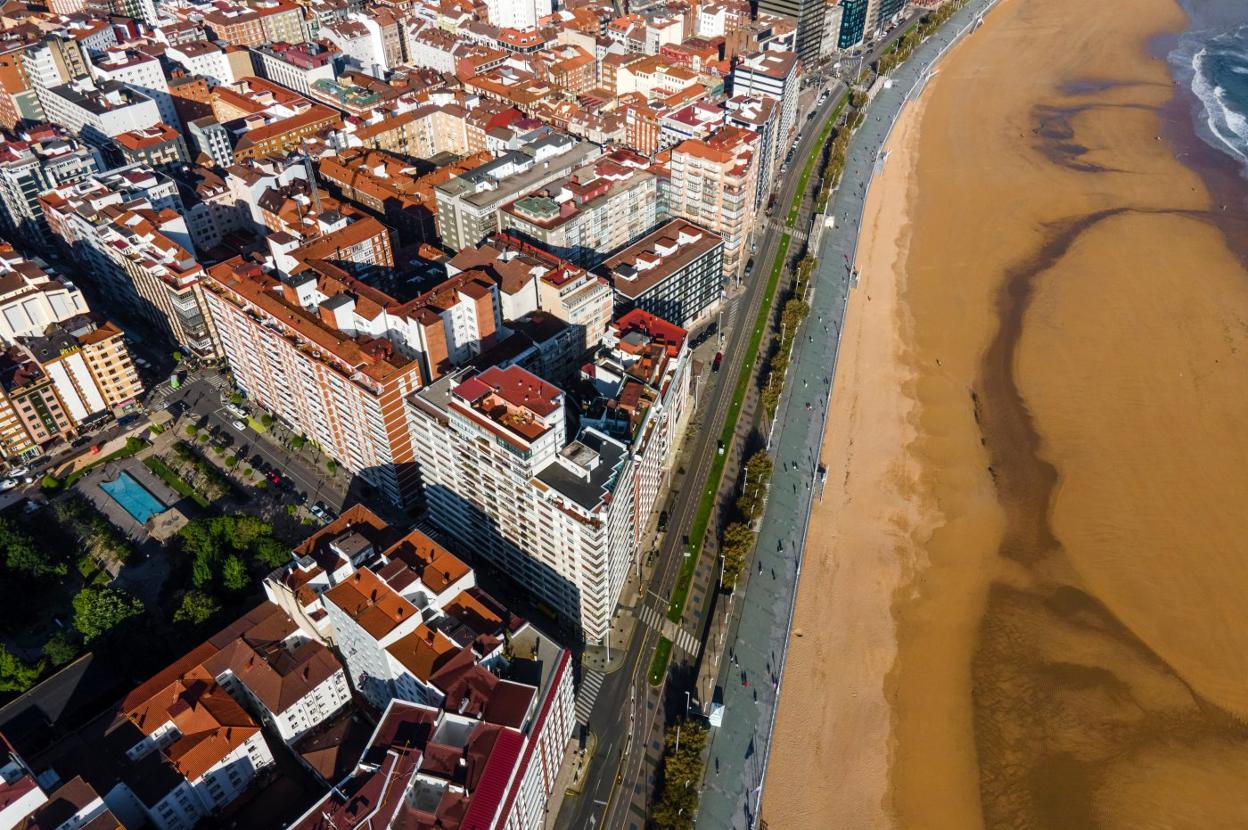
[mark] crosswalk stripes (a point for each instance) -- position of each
(591, 683)
(651, 618)
(686, 641)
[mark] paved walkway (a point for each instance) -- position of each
(757, 639)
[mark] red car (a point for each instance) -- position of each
(275, 477)
(719, 358)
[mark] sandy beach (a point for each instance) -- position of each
(1022, 598)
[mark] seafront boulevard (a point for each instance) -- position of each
(755, 630)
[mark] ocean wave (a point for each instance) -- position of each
(1223, 118)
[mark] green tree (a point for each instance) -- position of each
(267, 420)
(677, 805)
(23, 557)
(236, 399)
(192, 430)
(203, 569)
(270, 552)
(234, 574)
(331, 465)
(177, 357)
(735, 547)
(16, 675)
(99, 610)
(197, 607)
(60, 649)
(297, 442)
(754, 487)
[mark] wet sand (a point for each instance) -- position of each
(1022, 605)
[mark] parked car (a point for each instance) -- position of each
(18, 472)
(274, 477)
(719, 358)
(239, 425)
(720, 445)
(8, 484)
(236, 411)
(662, 520)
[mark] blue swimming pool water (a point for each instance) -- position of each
(133, 497)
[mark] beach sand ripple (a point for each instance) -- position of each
(1039, 431)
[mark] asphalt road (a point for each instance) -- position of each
(628, 708)
(204, 401)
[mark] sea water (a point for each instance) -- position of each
(1211, 58)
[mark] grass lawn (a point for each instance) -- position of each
(175, 481)
(658, 664)
(256, 425)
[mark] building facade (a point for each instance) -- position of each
(675, 273)
(714, 184)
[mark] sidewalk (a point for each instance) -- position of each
(573, 769)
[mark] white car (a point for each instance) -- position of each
(8, 484)
(18, 472)
(236, 411)
(239, 425)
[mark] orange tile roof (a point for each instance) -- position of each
(423, 652)
(371, 603)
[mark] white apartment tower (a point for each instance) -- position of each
(562, 517)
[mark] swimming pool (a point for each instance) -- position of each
(133, 497)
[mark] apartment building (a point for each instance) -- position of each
(70, 806)
(41, 158)
(517, 14)
(597, 208)
(562, 517)
(675, 273)
(270, 21)
(160, 147)
(126, 227)
(808, 15)
(32, 296)
(419, 636)
(469, 204)
(99, 111)
(392, 189)
(531, 279)
(714, 184)
(264, 119)
(294, 66)
(55, 59)
(696, 120)
(138, 71)
(31, 413)
(203, 58)
(89, 365)
(18, 99)
(776, 75)
(759, 114)
(201, 718)
(322, 353)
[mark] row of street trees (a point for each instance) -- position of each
(677, 805)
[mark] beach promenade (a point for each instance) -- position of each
(759, 632)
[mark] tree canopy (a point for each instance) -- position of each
(99, 610)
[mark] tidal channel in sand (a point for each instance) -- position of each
(1023, 597)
